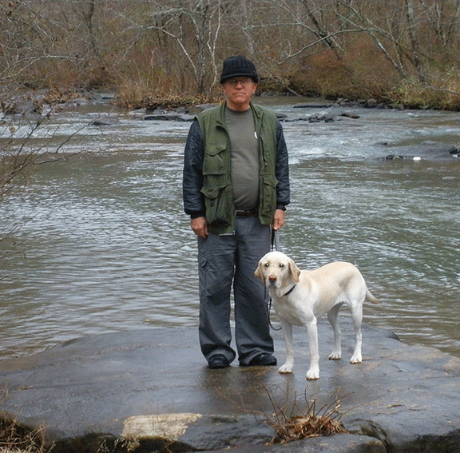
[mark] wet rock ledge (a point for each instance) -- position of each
(150, 390)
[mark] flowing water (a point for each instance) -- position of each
(104, 245)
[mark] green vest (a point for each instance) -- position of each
(217, 180)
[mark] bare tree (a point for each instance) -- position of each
(412, 27)
(320, 30)
(247, 8)
(88, 15)
(362, 22)
(443, 17)
(175, 46)
(194, 26)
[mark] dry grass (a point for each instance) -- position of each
(139, 94)
(309, 421)
(15, 439)
(442, 91)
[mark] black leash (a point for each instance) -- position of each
(275, 240)
(275, 243)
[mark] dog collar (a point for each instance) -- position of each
(290, 291)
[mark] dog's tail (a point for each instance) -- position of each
(371, 298)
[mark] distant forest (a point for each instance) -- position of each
(396, 51)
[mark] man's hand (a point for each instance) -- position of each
(278, 219)
(200, 227)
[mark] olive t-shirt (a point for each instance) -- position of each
(245, 158)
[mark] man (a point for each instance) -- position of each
(235, 188)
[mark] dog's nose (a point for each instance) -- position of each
(272, 278)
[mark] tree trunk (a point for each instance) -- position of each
(414, 41)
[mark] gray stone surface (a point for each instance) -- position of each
(153, 384)
(423, 151)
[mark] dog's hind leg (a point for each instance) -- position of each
(357, 315)
(333, 318)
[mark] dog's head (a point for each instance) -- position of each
(277, 270)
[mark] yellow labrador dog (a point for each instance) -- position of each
(301, 297)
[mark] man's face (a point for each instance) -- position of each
(239, 91)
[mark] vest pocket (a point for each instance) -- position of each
(267, 204)
(217, 191)
(214, 163)
(219, 211)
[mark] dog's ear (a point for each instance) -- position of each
(295, 271)
(258, 272)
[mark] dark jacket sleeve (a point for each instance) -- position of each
(193, 172)
(282, 169)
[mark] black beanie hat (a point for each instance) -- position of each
(238, 66)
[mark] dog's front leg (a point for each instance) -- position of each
(312, 330)
(287, 332)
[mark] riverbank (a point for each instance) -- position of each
(24, 102)
(333, 50)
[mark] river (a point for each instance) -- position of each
(104, 245)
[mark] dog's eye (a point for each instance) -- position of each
(267, 264)
(281, 265)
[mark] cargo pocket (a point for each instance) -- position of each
(202, 271)
(218, 211)
(216, 186)
(214, 163)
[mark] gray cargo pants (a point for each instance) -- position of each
(224, 260)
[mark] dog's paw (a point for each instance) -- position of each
(356, 359)
(335, 356)
(285, 369)
(312, 374)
